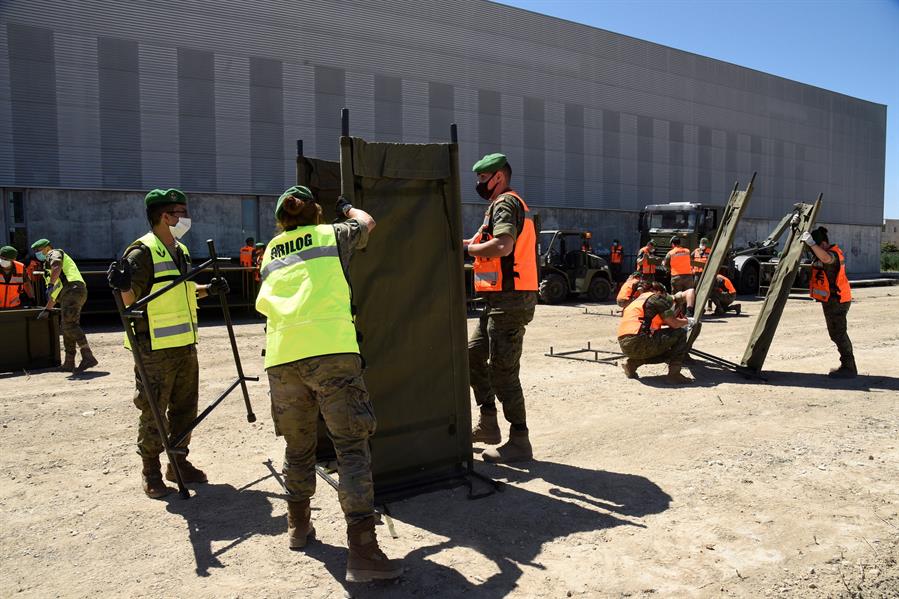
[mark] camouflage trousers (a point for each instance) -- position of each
(70, 301)
(721, 301)
(681, 283)
(174, 380)
(835, 317)
(665, 345)
(333, 387)
(494, 353)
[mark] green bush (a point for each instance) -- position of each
(889, 261)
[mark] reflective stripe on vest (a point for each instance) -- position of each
(633, 320)
(700, 256)
(68, 274)
(246, 255)
(12, 289)
(305, 297)
(616, 254)
(819, 286)
(644, 265)
(172, 317)
(518, 270)
(679, 262)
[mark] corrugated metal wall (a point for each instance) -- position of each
(211, 96)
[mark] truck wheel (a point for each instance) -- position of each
(749, 279)
(600, 290)
(553, 289)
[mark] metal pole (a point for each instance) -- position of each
(251, 417)
(454, 133)
(151, 398)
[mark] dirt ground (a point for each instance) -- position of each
(727, 487)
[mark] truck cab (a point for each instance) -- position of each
(690, 221)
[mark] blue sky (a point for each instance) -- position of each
(848, 46)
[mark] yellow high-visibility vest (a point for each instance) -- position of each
(68, 274)
(305, 297)
(173, 315)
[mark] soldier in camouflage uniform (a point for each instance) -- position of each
(172, 367)
(830, 286)
(65, 288)
(505, 273)
(314, 367)
(644, 341)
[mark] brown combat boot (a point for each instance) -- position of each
(151, 478)
(299, 526)
(516, 449)
(69, 364)
(630, 367)
(847, 370)
(366, 561)
(87, 360)
(674, 374)
(189, 472)
(487, 429)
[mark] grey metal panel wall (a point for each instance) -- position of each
(708, 122)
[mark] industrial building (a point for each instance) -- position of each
(101, 100)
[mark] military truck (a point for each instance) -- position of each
(688, 220)
(568, 267)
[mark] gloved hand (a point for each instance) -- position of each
(218, 286)
(343, 206)
(43, 314)
(807, 239)
(119, 275)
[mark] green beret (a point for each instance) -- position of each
(259, 245)
(9, 252)
(489, 163)
(297, 191)
(165, 196)
(40, 243)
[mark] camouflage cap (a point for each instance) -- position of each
(297, 191)
(165, 196)
(490, 163)
(675, 240)
(704, 240)
(40, 243)
(259, 245)
(9, 252)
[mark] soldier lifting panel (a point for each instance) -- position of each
(408, 289)
(28, 343)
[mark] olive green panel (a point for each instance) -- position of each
(787, 268)
(408, 289)
(720, 250)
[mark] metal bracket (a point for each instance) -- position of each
(571, 355)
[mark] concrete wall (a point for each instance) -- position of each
(890, 231)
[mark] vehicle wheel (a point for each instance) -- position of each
(600, 289)
(749, 279)
(553, 289)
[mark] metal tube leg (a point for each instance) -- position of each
(151, 399)
(251, 417)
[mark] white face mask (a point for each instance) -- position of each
(181, 227)
(5, 263)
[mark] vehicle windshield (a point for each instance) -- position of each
(679, 220)
(544, 241)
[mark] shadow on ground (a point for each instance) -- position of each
(508, 529)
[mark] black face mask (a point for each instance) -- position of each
(482, 190)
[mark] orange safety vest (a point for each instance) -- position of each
(819, 286)
(518, 270)
(626, 293)
(617, 253)
(700, 256)
(246, 255)
(633, 321)
(679, 262)
(11, 289)
(728, 286)
(645, 267)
